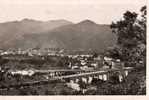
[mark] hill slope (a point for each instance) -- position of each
(84, 35)
(12, 31)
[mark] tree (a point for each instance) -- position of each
(131, 36)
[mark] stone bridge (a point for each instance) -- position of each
(87, 76)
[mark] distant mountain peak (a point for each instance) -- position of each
(29, 20)
(87, 21)
(30, 33)
(60, 21)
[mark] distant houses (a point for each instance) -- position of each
(76, 61)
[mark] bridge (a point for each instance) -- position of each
(61, 72)
(102, 74)
(80, 75)
(87, 76)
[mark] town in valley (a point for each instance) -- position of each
(68, 49)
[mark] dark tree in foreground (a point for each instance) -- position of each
(131, 36)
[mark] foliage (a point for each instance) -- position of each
(131, 37)
(133, 85)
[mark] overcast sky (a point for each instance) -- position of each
(100, 11)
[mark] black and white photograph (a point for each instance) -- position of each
(73, 47)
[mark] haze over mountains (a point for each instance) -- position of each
(30, 33)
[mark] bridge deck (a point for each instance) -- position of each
(61, 77)
(78, 70)
(90, 73)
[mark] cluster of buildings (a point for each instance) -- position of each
(33, 51)
(22, 72)
(84, 62)
(89, 61)
(76, 61)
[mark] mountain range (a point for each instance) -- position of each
(29, 33)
